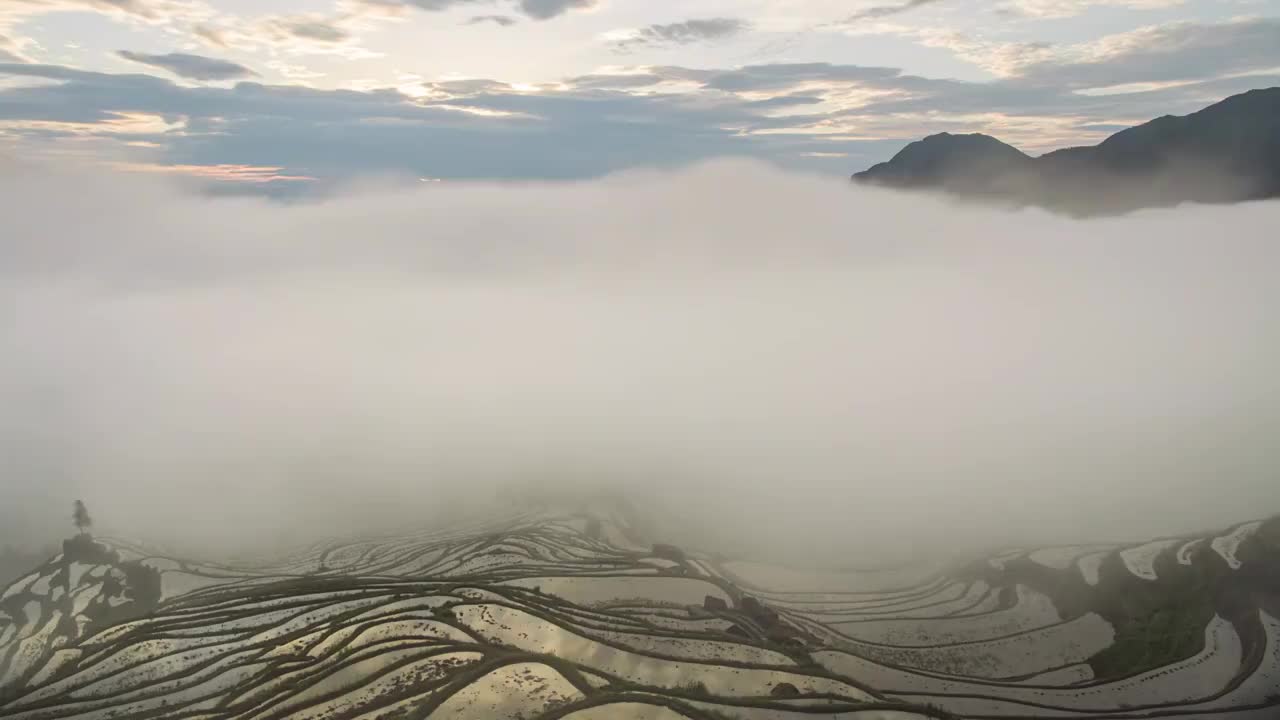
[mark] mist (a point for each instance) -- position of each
(773, 364)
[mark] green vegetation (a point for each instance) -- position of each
(1153, 637)
(1268, 537)
(696, 689)
(1156, 622)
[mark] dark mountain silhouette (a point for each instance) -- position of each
(952, 162)
(1227, 152)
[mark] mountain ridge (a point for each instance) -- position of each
(1225, 153)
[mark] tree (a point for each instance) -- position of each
(81, 517)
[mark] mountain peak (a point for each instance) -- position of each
(933, 161)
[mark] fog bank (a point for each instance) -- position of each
(781, 363)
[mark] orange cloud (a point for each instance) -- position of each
(225, 172)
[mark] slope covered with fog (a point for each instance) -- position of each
(568, 608)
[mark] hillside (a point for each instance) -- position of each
(569, 612)
(1227, 152)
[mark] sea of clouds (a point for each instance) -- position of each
(777, 363)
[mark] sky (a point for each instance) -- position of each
(609, 241)
(288, 94)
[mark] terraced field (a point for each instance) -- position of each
(573, 613)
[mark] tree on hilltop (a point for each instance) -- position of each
(81, 517)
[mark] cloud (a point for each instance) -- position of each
(8, 50)
(476, 128)
(545, 9)
(1052, 9)
(430, 5)
(305, 34)
(1184, 65)
(195, 67)
(757, 346)
(500, 20)
(1003, 58)
(1156, 53)
(160, 13)
(779, 76)
(230, 173)
(154, 11)
(294, 72)
(211, 35)
(319, 30)
(824, 117)
(680, 33)
(1045, 97)
(339, 33)
(881, 11)
(615, 81)
(1176, 51)
(536, 9)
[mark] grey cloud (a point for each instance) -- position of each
(338, 134)
(211, 35)
(311, 33)
(313, 29)
(500, 20)
(195, 67)
(430, 5)
(536, 9)
(779, 76)
(605, 81)
(783, 101)
(73, 100)
(684, 74)
(684, 33)
(1181, 51)
(318, 31)
(880, 11)
(588, 130)
(592, 125)
(471, 86)
(1212, 59)
(545, 9)
(133, 7)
